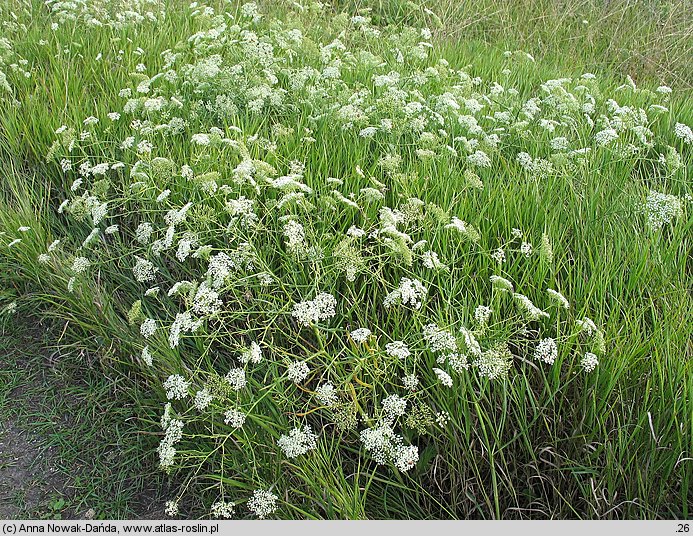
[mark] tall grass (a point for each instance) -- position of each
(549, 441)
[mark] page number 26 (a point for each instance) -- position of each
(683, 527)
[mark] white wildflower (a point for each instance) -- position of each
(457, 362)
(532, 312)
(410, 291)
(587, 326)
(559, 298)
(410, 382)
(298, 441)
(546, 351)
(397, 349)
(443, 377)
(234, 418)
(526, 249)
(206, 300)
(606, 136)
(80, 265)
(438, 339)
(171, 508)
(262, 503)
(498, 256)
(500, 283)
(144, 232)
(683, 132)
(236, 379)
(183, 323)
(176, 387)
(482, 313)
(223, 509)
(312, 311)
(327, 394)
(360, 335)
(589, 362)
(147, 356)
(298, 371)
(394, 406)
(148, 328)
(494, 363)
(661, 209)
(202, 399)
(144, 270)
(252, 354)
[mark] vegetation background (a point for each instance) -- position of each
(620, 449)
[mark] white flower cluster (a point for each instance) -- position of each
(546, 351)
(410, 382)
(684, 133)
(223, 509)
(394, 406)
(171, 508)
(144, 270)
(502, 284)
(206, 300)
(470, 342)
(482, 313)
(234, 418)
(203, 398)
(176, 387)
(312, 311)
(360, 335)
(443, 377)
(410, 292)
(587, 326)
(144, 232)
(80, 265)
(494, 363)
(327, 394)
(531, 311)
(297, 371)
(661, 209)
(236, 379)
(173, 433)
(253, 354)
(295, 236)
(147, 356)
(385, 446)
(148, 327)
(589, 362)
(457, 362)
(464, 228)
(559, 298)
(262, 503)
(397, 349)
(298, 441)
(183, 323)
(439, 340)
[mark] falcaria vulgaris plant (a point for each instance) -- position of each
(275, 212)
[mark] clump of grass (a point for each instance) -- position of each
(87, 451)
(331, 239)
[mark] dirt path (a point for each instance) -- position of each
(70, 448)
(30, 483)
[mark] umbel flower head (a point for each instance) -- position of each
(360, 335)
(410, 292)
(385, 446)
(312, 311)
(297, 371)
(546, 351)
(298, 441)
(262, 503)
